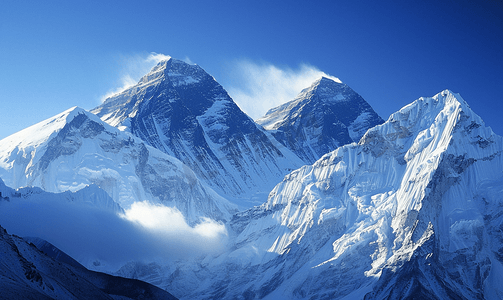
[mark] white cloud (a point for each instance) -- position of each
(132, 69)
(146, 232)
(169, 221)
(258, 87)
(187, 60)
(157, 57)
(126, 82)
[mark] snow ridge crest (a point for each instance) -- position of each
(411, 198)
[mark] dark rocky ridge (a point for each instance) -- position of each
(28, 273)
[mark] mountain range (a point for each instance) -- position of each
(181, 110)
(412, 211)
(320, 198)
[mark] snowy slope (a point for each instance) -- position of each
(323, 117)
(181, 110)
(27, 273)
(75, 149)
(91, 196)
(412, 210)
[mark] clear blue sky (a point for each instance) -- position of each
(59, 54)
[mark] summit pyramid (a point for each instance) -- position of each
(324, 116)
(183, 111)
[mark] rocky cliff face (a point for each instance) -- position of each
(323, 117)
(181, 110)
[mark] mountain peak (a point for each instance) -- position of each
(446, 100)
(327, 80)
(327, 89)
(444, 118)
(40, 132)
(168, 63)
(320, 84)
(183, 111)
(450, 95)
(161, 65)
(324, 116)
(76, 149)
(178, 72)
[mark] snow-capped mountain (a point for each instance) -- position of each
(181, 110)
(75, 149)
(27, 273)
(323, 117)
(414, 210)
(411, 208)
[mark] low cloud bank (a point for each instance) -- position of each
(170, 222)
(146, 232)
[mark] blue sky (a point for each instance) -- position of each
(59, 54)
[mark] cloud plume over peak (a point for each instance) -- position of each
(132, 69)
(257, 87)
(157, 57)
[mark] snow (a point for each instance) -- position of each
(324, 116)
(416, 200)
(179, 79)
(334, 227)
(110, 159)
(356, 130)
(222, 145)
(213, 118)
(31, 137)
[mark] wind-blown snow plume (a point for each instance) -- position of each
(259, 86)
(133, 68)
(183, 111)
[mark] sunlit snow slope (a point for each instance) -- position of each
(75, 148)
(323, 117)
(414, 210)
(181, 110)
